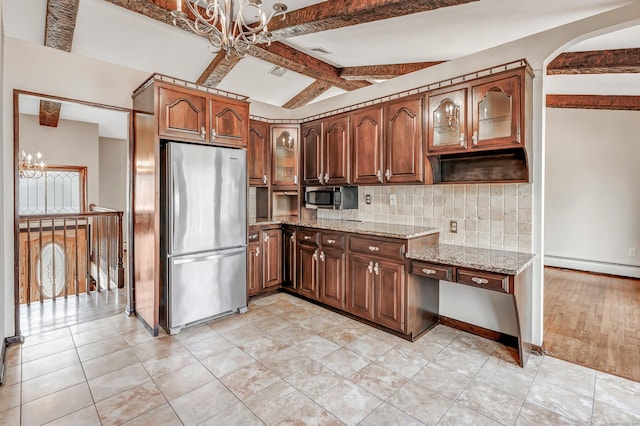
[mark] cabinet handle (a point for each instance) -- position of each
(320, 179)
(295, 179)
(331, 241)
(474, 138)
(257, 251)
(307, 238)
(203, 132)
(374, 248)
(388, 174)
(315, 255)
(265, 238)
(322, 256)
(461, 139)
(370, 267)
(376, 269)
(213, 134)
(480, 280)
(264, 179)
(379, 175)
(429, 271)
(326, 177)
(253, 236)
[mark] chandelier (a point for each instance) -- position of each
(214, 20)
(30, 168)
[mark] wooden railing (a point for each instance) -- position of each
(66, 254)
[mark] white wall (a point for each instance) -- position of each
(113, 176)
(592, 199)
(72, 143)
(4, 287)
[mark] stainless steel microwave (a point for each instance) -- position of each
(336, 197)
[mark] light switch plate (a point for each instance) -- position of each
(392, 199)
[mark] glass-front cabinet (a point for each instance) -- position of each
(447, 121)
(285, 140)
(496, 113)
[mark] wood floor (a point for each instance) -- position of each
(51, 315)
(593, 320)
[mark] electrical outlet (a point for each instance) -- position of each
(392, 199)
(453, 226)
(367, 198)
(632, 252)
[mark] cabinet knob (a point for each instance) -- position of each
(293, 237)
(322, 256)
(370, 267)
(320, 179)
(376, 269)
(295, 179)
(379, 175)
(331, 241)
(388, 174)
(474, 138)
(374, 248)
(257, 251)
(307, 238)
(253, 236)
(264, 179)
(480, 280)
(315, 255)
(203, 132)
(461, 139)
(265, 238)
(213, 134)
(326, 177)
(429, 271)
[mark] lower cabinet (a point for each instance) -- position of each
(272, 266)
(308, 255)
(360, 300)
(289, 258)
(254, 268)
(264, 259)
(332, 272)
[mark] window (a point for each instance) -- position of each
(60, 189)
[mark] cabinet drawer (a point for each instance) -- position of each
(431, 270)
(332, 240)
(387, 249)
(307, 236)
(254, 235)
(488, 280)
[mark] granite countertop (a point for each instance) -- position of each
(502, 262)
(352, 226)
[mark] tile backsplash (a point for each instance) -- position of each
(497, 216)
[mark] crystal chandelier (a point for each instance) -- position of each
(214, 20)
(30, 168)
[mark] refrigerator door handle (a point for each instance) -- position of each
(207, 256)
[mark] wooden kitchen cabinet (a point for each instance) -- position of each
(360, 288)
(389, 288)
(311, 153)
(254, 268)
(404, 160)
(284, 151)
(264, 259)
(289, 258)
(335, 151)
(308, 257)
(190, 115)
(272, 245)
(447, 118)
(367, 146)
(332, 269)
(258, 158)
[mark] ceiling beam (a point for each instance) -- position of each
(218, 69)
(334, 14)
(613, 102)
(49, 113)
(287, 57)
(314, 90)
(383, 72)
(60, 23)
(596, 62)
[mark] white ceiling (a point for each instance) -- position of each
(113, 34)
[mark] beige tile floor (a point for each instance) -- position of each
(289, 362)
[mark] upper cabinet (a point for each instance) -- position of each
(403, 152)
(284, 140)
(258, 153)
(447, 119)
(326, 151)
(190, 115)
(496, 113)
(367, 148)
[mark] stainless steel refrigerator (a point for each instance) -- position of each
(204, 233)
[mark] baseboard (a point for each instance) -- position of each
(593, 266)
(505, 339)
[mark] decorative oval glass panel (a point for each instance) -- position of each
(51, 264)
(494, 113)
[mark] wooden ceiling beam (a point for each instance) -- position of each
(49, 113)
(314, 90)
(287, 57)
(60, 23)
(612, 102)
(333, 14)
(383, 72)
(596, 62)
(218, 69)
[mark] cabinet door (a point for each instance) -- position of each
(229, 122)
(272, 243)
(360, 288)
(254, 268)
(332, 277)
(258, 154)
(447, 121)
(366, 146)
(182, 115)
(403, 160)
(289, 271)
(335, 151)
(389, 294)
(284, 142)
(311, 153)
(496, 113)
(308, 256)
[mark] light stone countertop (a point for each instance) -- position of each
(352, 226)
(499, 261)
